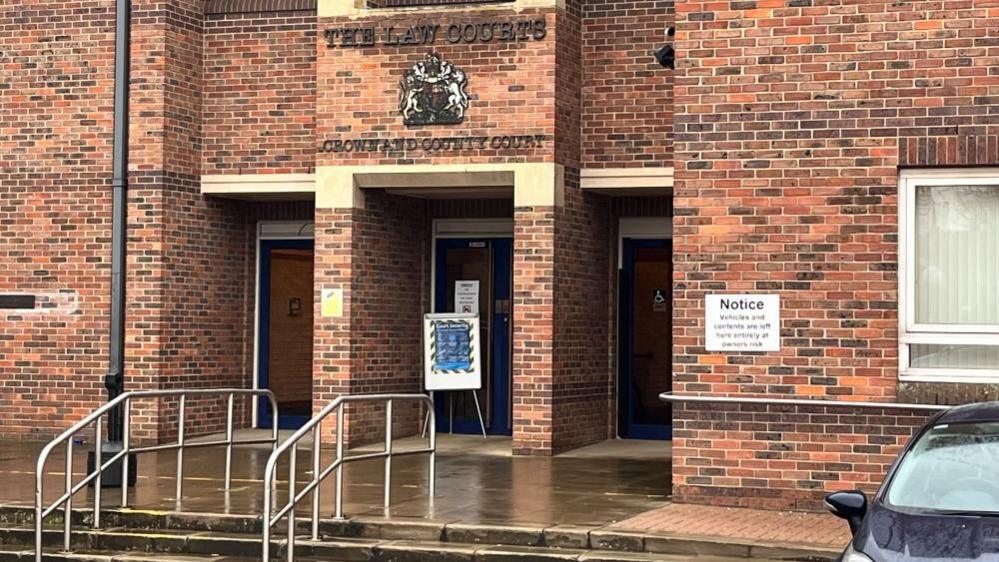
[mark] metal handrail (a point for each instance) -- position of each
(671, 397)
(96, 417)
(318, 475)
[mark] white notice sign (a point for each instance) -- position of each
(742, 322)
(466, 297)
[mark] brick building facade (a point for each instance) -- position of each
(592, 193)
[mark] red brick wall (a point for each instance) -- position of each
(627, 117)
(568, 85)
(792, 120)
(510, 87)
(205, 328)
(55, 136)
(260, 93)
(783, 457)
(187, 286)
(187, 253)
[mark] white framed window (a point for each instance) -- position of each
(949, 275)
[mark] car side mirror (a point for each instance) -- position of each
(851, 506)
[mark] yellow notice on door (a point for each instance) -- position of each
(332, 303)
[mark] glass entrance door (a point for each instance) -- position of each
(474, 275)
(645, 322)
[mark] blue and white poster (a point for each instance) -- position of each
(454, 346)
(451, 352)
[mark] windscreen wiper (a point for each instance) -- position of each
(966, 513)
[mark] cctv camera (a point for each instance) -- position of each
(665, 56)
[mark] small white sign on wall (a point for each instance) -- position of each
(466, 297)
(742, 323)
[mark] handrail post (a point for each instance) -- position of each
(274, 421)
(228, 444)
(68, 516)
(316, 451)
(388, 454)
(432, 484)
(338, 514)
(269, 474)
(180, 449)
(39, 507)
(290, 546)
(126, 434)
(99, 462)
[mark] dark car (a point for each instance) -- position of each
(940, 500)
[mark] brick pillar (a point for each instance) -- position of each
(377, 252)
(330, 334)
(533, 328)
(561, 309)
(584, 377)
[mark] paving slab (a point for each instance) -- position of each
(416, 551)
(696, 546)
(568, 536)
(525, 554)
(616, 539)
(494, 534)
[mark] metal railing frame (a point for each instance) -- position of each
(318, 475)
(96, 418)
(715, 399)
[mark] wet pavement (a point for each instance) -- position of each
(478, 481)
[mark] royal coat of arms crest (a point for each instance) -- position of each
(433, 92)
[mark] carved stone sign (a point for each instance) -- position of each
(433, 92)
(387, 145)
(428, 34)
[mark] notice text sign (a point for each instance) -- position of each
(742, 323)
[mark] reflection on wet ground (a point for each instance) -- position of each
(476, 482)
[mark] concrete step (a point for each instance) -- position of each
(50, 555)
(400, 551)
(178, 545)
(362, 539)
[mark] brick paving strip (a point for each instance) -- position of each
(811, 529)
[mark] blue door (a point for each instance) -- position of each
(284, 343)
(488, 261)
(645, 358)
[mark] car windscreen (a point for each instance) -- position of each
(952, 467)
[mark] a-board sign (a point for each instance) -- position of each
(451, 352)
(742, 323)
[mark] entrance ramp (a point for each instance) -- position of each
(478, 481)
